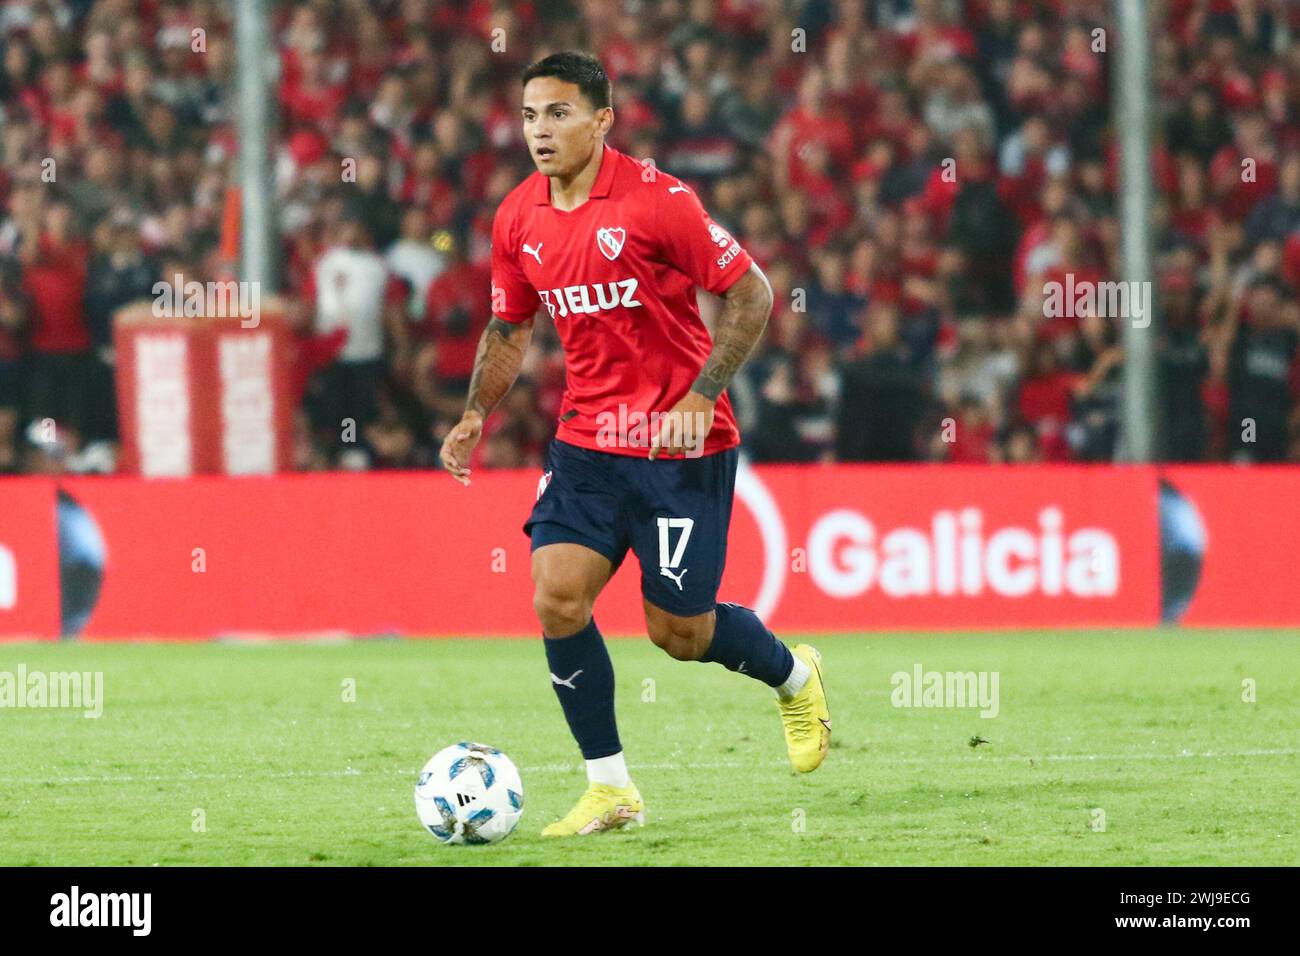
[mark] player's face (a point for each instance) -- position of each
(560, 126)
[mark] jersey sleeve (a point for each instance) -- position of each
(694, 243)
(513, 297)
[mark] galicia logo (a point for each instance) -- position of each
(847, 557)
(952, 555)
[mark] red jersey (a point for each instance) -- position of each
(617, 276)
(56, 283)
(454, 319)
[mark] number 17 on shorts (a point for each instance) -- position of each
(670, 556)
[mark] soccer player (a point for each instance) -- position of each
(646, 447)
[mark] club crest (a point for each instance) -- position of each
(610, 242)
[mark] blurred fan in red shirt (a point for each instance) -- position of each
(1044, 401)
(456, 312)
(54, 264)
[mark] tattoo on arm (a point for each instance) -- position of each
(747, 304)
(496, 364)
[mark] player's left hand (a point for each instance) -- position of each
(684, 427)
(458, 445)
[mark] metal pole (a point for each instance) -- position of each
(253, 47)
(1132, 104)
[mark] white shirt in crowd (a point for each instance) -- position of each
(350, 291)
(419, 264)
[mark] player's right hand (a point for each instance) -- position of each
(459, 444)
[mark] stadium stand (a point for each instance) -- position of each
(911, 175)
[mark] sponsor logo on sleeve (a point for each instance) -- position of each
(723, 240)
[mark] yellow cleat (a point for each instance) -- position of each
(601, 808)
(806, 717)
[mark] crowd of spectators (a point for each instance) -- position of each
(912, 175)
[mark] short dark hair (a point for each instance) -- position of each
(581, 69)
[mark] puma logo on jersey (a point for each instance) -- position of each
(676, 578)
(567, 682)
(536, 253)
(578, 299)
(679, 188)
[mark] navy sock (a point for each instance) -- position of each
(583, 677)
(742, 643)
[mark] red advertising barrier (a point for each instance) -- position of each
(202, 396)
(360, 553)
(1250, 527)
(900, 547)
(29, 559)
(839, 548)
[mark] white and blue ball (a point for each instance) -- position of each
(469, 793)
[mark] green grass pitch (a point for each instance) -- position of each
(1115, 748)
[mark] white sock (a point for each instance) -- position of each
(611, 770)
(794, 683)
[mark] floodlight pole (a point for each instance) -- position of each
(254, 64)
(1131, 100)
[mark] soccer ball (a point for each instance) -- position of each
(469, 793)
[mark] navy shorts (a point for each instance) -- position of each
(673, 512)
